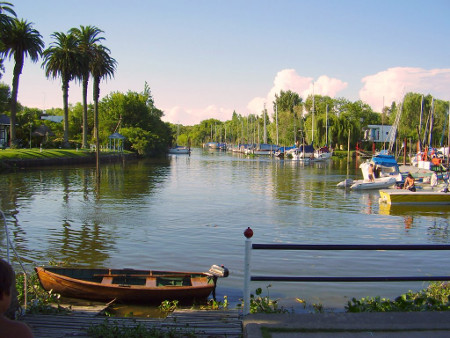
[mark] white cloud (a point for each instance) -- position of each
(186, 116)
(288, 79)
(392, 84)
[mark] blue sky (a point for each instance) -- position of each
(207, 58)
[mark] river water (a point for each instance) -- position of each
(189, 212)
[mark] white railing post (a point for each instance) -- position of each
(248, 233)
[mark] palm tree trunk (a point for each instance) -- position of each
(15, 89)
(96, 133)
(85, 114)
(65, 88)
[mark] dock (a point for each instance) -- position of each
(198, 323)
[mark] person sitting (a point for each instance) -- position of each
(9, 328)
(371, 177)
(436, 160)
(409, 183)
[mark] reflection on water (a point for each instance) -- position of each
(189, 212)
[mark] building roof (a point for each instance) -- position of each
(53, 118)
(117, 136)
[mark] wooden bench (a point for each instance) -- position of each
(107, 280)
(199, 281)
(150, 282)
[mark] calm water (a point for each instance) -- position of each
(189, 212)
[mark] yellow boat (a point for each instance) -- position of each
(406, 197)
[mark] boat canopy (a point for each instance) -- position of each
(307, 148)
(385, 160)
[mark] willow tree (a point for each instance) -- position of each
(20, 40)
(63, 59)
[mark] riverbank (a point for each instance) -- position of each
(27, 158)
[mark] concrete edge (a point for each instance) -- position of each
(408, 321)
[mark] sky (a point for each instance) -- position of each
(207, 58)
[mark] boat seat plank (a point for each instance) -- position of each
(150, 282)
(199, 281)
(107, 280)
(139, 275)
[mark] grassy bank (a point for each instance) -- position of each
(36, 153)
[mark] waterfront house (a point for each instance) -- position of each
(377, 133)
(4, 126)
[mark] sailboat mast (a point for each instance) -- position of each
(448, 137)
(276, 118)
(312, 120)
(430, 135)
(265, 128)
(326, 126)
(421, 113)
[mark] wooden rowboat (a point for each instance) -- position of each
(129, 285)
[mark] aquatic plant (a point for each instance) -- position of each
(38, 300)
(263, 304)
(434, 298)
(168, 306)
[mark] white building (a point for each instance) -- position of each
(377, 133)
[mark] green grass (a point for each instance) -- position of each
(36, 153)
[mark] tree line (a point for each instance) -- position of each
(80, 55)
(322, 120)
(76, 55)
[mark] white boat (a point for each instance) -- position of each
(303, 153)
(378, 183)
(386, 171)
(179, 150)
(322, 154)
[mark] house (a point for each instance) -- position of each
(4, 126)
(377, 133)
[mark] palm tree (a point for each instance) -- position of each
(88, 37)
(5, 21)
(62, 59)
(21, 40)
(102, 65)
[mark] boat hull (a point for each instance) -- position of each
(179, 150)
(406, 197)
(379, 183)
(136, 286)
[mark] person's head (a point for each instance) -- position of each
(6, 278)
(410, 176)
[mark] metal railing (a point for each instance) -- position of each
(321, 247)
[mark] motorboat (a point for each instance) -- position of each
(386, 174)
(417, 198)
(179, 150)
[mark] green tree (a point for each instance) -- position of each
(102, 66)
(62, 59)
(5, 22)
(21, 40)
(5, 97)
(287, 104)
(88, 38)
